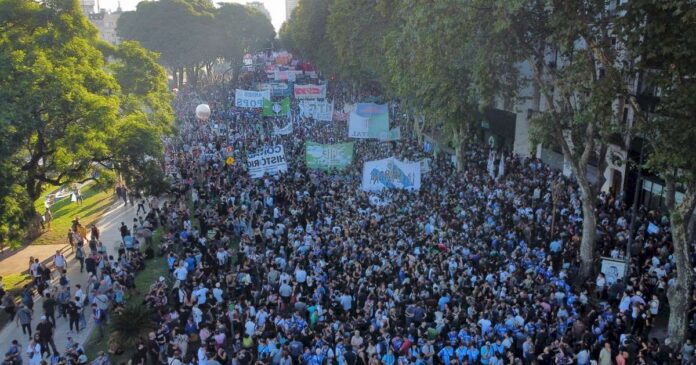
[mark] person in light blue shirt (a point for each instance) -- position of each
(497, 347)
(388, 358)
(446, 354)
(472, 353)
(460, 352)
(555, 246)
(443, 301)
(485, 353)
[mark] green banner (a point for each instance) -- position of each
(328, 156)
(276, 108)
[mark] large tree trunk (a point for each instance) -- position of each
(589, 229)
(679, 294)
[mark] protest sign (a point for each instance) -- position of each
(328, 156)
(318, 110)
(283, 131)
(310, 91)
(269, 160)
(391, 173)
(368, 120)
(276, 108)
(391, 135)
(250, 98)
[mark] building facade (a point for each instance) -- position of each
(106, 23)
(290, 5)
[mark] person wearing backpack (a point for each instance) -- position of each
(80, 257)
(63, 299)
(49, 307)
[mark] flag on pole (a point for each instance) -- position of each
(276, 108)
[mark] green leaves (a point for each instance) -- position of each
(188, 33)
(63, 106)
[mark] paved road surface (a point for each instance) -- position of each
(110, 237)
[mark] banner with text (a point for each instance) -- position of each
(250, 98)
(319, 110)
(328, 156)
(391, 173)
(269, 160)
(289, 75)
(368, 120)
(310, 91)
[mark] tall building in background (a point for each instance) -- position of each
(260, 7)
(87, 6)
(106, 23)
(290, 5)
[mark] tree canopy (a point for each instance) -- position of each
(192, 35)
(68, 108)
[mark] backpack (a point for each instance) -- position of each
(64, 280)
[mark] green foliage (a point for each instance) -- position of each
(357, 30)
(664, 47)
(131, 325)
(191, 34)
(66, 107)
(306, 33)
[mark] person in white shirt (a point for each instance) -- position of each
(59, 261)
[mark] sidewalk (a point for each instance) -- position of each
(109, 224)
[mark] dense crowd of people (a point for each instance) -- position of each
(306, 268)
(464, 271)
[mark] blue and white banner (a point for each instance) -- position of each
(282, 131)
(250, 98)
(269, 160)
(319, 110)
(391, 173)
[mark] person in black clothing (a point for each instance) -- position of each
(140, 355)
(49, 307)
(350, 356)
(153, 349)
(124, 232)
(45, 331)
(91, 264)
(74, 315)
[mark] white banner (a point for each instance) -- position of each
(250, 98)
(391, 173)
(310, 91)
(269, 160)
(319, 110)
(358, 127)
(283, 131)
(425, 166)
(290, 75)
(391, 135)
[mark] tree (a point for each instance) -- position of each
(661, 37)
(306, 34)
(433, 62)
(579, 73)
(357, 30)
(179, 30)
(241, 29)
(62, 100)
(66, 109)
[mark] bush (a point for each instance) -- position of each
(129, 325)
